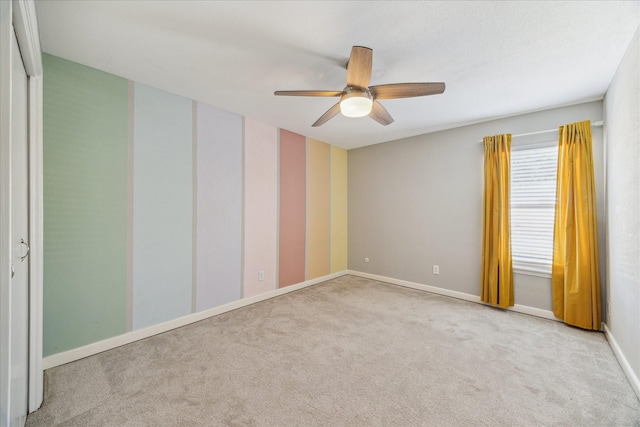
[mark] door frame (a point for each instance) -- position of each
(22, 14)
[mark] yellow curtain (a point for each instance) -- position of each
(575, 275)
(497, 272)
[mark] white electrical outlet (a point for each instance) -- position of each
(436, 269)
(261, 275)
(366, 259)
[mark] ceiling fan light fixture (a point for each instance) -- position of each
(356, 102)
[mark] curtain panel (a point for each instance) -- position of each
(497, 271)
(575, 274)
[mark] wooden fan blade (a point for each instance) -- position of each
(406, 90)
(359, 67)
(308, 92)
(331, 113)
(380, 114)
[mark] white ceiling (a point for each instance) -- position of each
(497, 58)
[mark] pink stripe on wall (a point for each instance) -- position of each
(293, 208)
(260, 207)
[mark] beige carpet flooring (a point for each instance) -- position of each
(350, 352)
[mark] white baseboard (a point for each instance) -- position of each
(624, 363)
(533, 311)
(538, 312)
(419, 286)
(129, 337)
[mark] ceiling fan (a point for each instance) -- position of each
(358, 99)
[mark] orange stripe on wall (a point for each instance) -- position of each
(317, 209)
(293, 208)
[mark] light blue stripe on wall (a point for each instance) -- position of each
(162, 206)
(219, 207)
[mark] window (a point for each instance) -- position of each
(533, 199)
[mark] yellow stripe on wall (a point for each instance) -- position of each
(317, 209)
(338, 209)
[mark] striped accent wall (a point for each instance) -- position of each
(157, 206)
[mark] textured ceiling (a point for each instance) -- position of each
(497, 58)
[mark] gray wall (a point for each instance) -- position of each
(416, 202)
(622, 107)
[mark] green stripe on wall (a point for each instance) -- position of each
(85, 205)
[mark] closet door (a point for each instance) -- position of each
(19, 335)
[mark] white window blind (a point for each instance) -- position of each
(533, 197)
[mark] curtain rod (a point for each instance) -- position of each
(596, 124)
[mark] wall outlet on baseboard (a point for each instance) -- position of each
(261, 275)
(436, 269)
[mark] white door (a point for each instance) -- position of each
(19, 239)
